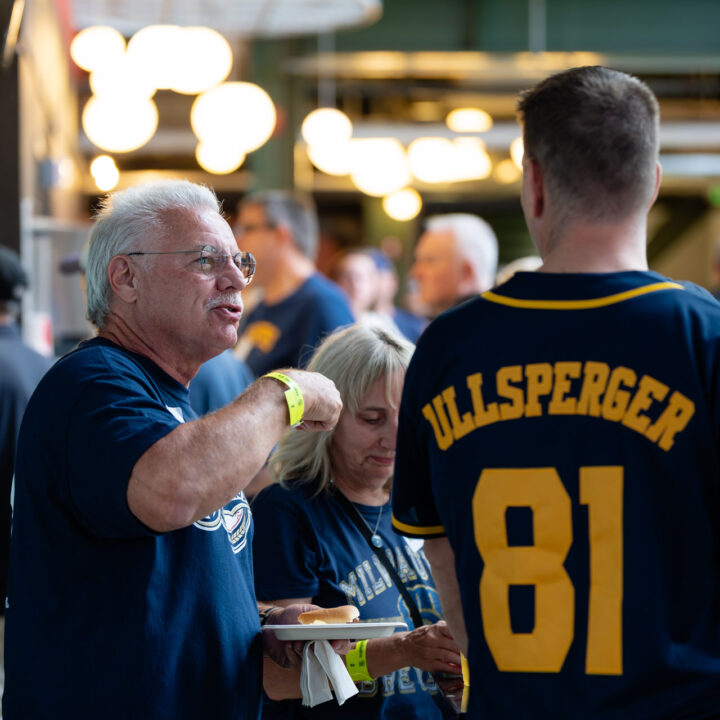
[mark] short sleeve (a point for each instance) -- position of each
(285, 548)
(113, 422)
(414, 511)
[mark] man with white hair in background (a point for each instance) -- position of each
(455, 260)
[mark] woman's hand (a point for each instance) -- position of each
(430, 648)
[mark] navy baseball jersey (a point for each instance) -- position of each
(562, 431)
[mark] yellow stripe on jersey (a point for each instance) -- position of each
(418, 530)
(580, 304)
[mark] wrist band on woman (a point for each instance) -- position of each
(293, 397)
(356, 663)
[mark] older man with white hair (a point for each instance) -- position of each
(455, 260)
(131, 588)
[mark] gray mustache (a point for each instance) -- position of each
(225, 299)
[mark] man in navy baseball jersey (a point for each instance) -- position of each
(558, 441)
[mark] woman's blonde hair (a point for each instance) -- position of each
(353, 358)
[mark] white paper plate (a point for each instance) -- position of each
(341, 631)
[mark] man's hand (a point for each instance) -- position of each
(288, 654)
(322, 400)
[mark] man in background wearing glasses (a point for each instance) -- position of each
(131, 589)
(299, 305)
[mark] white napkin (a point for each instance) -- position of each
(320, 664)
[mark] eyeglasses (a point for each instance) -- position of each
(211, 262)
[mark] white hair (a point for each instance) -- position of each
(129, 220)
(476, 243)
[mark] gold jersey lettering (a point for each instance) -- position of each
(571, 387)
(483, 415)
(460, 426)
(539, 382)
(616, 400)
(674, 418)
(561, 403)
(595, 379)
(439, 422)
(506, 375)
(648, 389)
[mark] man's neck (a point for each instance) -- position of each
(597, 248)
(116, 330)
(290, 274)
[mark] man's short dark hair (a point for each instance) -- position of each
(293, 211)
(594, 133)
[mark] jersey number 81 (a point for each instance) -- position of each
(542, 565)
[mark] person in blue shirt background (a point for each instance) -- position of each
(299, 306)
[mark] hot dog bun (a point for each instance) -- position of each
(330, 616)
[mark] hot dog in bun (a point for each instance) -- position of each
(330, 616)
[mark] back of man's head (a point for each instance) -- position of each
(293, 211)
(129, 220)
(475, 242)
(594, 133)
(13, 281)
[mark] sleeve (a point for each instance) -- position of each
(414, 511)
(285, 549)
(114, 421)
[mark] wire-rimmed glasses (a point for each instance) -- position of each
(211, 261)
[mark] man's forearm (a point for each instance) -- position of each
(441, 557)
(203, 464)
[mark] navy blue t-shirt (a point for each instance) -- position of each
(307, 546)
(105, 618)
(562, 431)
(286, 333)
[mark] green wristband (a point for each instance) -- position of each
(356, 663)
(293, 397)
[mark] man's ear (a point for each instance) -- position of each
(536, 185)
(122, 278)
(658, 179)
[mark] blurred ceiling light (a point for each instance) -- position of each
(517, 151)
(95, 46)
(465, 120)
(159, 49)
(425, 111)
(469, 160)
(206, 61)
(379, 166)
(218, 158)
(428, 159)
(119, 126)
(403, 205)
(326, 126)
(105, 172)
(506, 172)
(122, 78)
(333, 159)
(240, 112)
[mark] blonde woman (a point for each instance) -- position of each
(307, 548)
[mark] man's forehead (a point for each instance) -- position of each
(436, 243)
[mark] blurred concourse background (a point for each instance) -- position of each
(396, 69)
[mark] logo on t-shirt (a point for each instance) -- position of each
(235, 518)
(262, 335)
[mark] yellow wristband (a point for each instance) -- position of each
(293, 397)
(356, 663)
